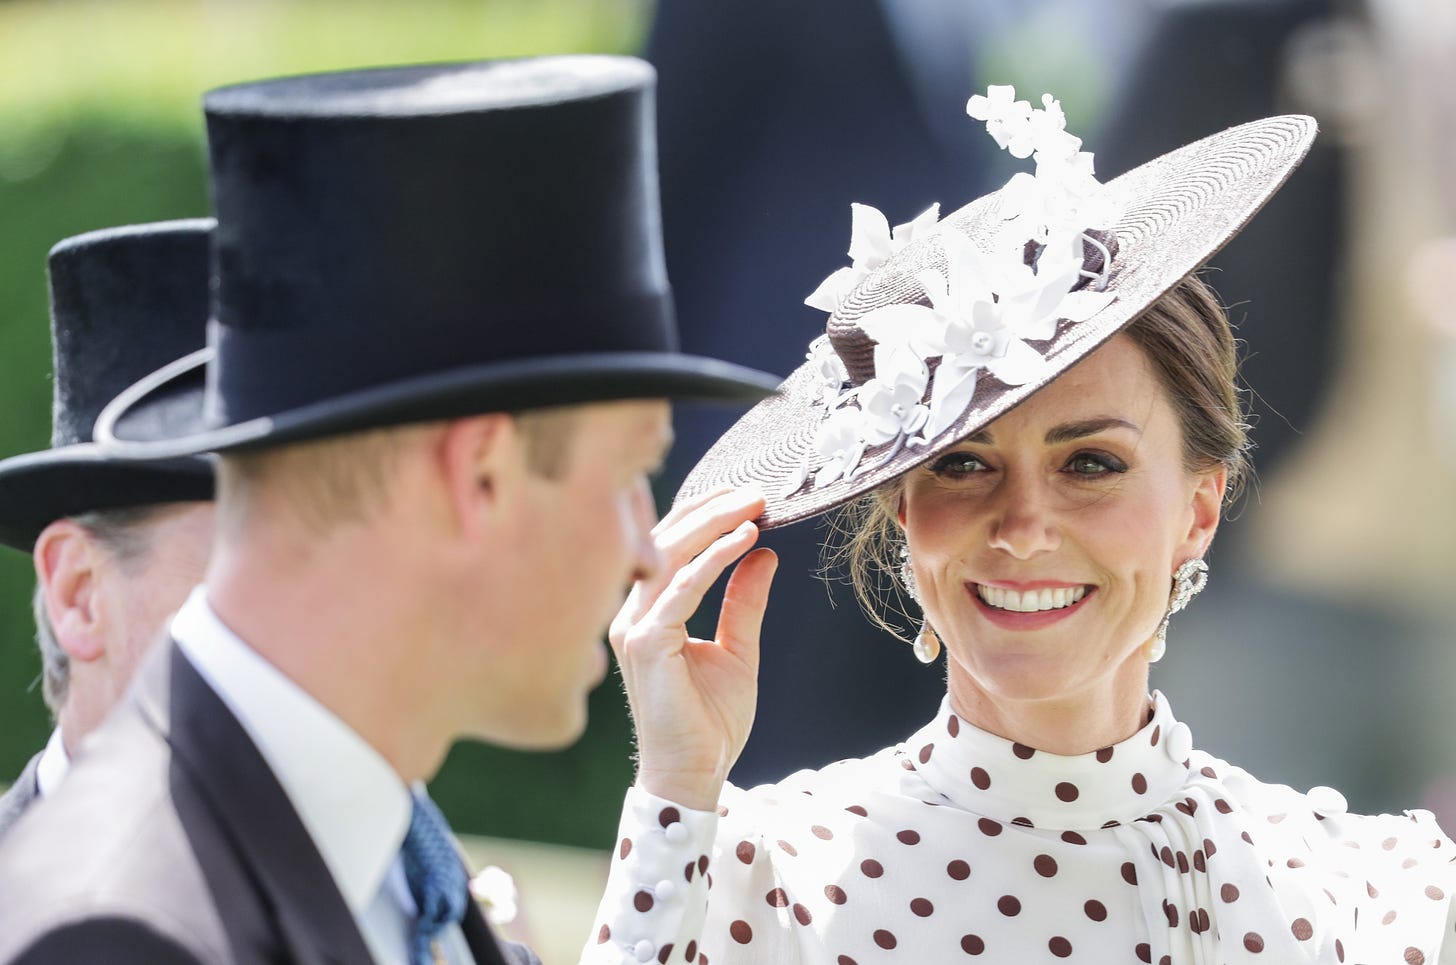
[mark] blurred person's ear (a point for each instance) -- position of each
(68, 561)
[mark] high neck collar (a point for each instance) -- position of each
(1016, 784)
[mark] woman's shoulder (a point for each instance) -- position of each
(844, 785)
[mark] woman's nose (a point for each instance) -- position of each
(1023, 523)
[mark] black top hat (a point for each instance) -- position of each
(123, 302)
(413, 243)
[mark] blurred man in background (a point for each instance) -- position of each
(117, 546)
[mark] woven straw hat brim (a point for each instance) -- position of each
(1177, 211)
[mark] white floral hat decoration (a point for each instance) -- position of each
(939, 327)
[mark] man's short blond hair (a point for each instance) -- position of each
(346, 479)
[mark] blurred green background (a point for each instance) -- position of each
(100, 126)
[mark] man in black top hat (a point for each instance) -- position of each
(117, 545)
(441, 355)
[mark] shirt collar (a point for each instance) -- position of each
(353, 804)
(53, 765)
(1016, 784)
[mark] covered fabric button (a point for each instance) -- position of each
(1180, 742)
(665, 890)
(644, 950)
(1326, 801)
(675, 832)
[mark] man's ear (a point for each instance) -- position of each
(67, 557)
(1207, 506)
(479, 460)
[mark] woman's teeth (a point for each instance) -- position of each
(1032, 600)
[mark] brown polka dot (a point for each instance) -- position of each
(857, 809)
(1254, 942)
(663, 953)
(668, 816)
(1067, 792)
(1339, 950)
(1095, 910)
(922, 907)
(1144, 952)
(1275, 818)
(835, 894)
(907, 765)
(1434, 893)
(885, 939)
(778, 898)
(1129, 872)
(1152, 818)
(692, 866)
(1104, 755)
(871, 868)
(1414, 956)
(604, 936)
(1229, 892)
(703, 864)
(1223, 807)
(908, 837)
(1110, 824)
(1008, 905)
(691, 952)
(1045, 865)
(1072, 837)
(1022, 822)
(1302, 929)
(745, 852)
(625, 848)
(1198, 861)
(1022, 751)
(1167, 856)
(1157, 735)
(788, 849)
(1295, 863)
(989, 827)
(959, 870)
(722, 811)
(1139, 783)
(1198, 921)
(741, 932)
(1389, 844)
(1165, 960)
(801, 914)
(642, 901)
(1209, 773)
(972, 944)
(953, 725)
(1245, 836)
(1182, 863)
(1389, 917)
(1170, 910)
(1409, 863)
(821, 832)
(1371, 890)
(1060, 947)
(925, 753)
(980, 778)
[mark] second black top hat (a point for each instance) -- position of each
(415, 243)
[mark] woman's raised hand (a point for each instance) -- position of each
(693, 700)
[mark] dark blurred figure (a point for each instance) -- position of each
(773, 117)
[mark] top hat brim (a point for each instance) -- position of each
(38, 488)
(171, 393)
(1178, 210)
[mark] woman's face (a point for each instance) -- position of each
(1044, 546)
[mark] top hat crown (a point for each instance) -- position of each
(124, 301)
(412, 243)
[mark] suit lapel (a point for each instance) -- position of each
(482, 941)
(254, 811)
(21, 795)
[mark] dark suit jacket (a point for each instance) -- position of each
(172, 842)
(22, 793)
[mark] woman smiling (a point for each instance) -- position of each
(1028, 414)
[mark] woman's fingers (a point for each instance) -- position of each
(744, 602)
(683, 595)
(679, 510)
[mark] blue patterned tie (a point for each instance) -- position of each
(436, 877)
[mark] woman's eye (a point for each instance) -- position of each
(1095, 464)
(957, 464)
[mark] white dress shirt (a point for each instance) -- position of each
(350, 800)
(53, 765)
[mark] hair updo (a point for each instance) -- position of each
(1186, 337)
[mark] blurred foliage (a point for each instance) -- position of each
(100, 126)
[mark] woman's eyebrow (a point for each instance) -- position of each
(1089, 427)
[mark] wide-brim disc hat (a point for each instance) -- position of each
(406, 244)
(1170, 215)
(124, 301)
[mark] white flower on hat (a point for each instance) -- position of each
(871, 243)
(832, 374)
(890, 403)
(1007, 119)
(839, 446)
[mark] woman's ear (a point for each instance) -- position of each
(67, 557)
(1207, 507)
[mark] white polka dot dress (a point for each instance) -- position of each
(959, 846)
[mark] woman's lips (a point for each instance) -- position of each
(1021, 595)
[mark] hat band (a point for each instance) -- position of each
(260, 373)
